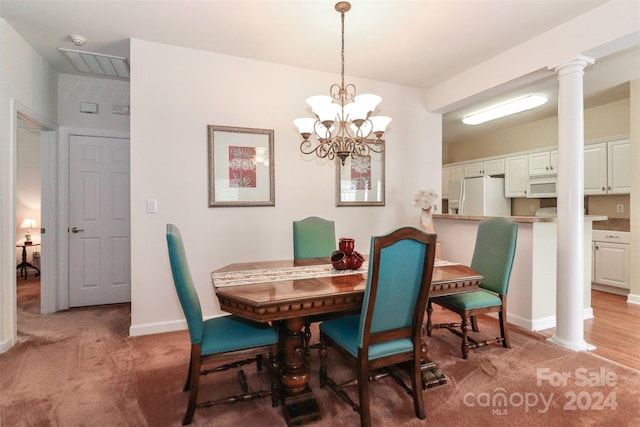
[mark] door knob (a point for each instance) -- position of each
(76, 230)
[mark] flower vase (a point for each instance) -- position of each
(426, 221)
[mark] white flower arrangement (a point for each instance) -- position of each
(425, 199)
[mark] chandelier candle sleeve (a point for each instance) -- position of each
(343, 125)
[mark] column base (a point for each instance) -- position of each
(581, 345)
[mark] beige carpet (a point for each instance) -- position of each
(79, 368)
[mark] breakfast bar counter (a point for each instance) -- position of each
(532, 289)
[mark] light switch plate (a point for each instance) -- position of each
(152, 206)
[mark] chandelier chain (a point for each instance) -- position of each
(343, 133)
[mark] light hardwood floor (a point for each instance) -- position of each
(614, 330)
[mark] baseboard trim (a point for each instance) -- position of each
(633, 299)
(160, 327)
(157, 328)
(542, 323)
(6, 345)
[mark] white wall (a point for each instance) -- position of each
(604, 30)
(29, 84)
(74, 89)
(169, 163)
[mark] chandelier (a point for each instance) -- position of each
(343, 125)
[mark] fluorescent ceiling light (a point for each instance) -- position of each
(97, 63)
(515, 106)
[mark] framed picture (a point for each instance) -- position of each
(360, 181)
(240, 166)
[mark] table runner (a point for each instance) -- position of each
(247, 277)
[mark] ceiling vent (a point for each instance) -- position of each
(97, 63)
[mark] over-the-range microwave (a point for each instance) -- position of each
(542, 186)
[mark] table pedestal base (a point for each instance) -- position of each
(301, 408)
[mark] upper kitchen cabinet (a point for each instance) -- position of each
(543, 163)
(453, 173)
(515, 176)
(481, 168)
(607, 167)
(595, 169)
(619, 167)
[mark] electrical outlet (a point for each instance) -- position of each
(620, 208)
(532, 208)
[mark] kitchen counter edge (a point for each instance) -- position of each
(522, 219)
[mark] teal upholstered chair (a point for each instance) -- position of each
(493, 258)
(388, 330)
(218, 339)
(313, 237)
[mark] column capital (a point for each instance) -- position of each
(579, 62)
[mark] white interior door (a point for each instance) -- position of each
(99, 222)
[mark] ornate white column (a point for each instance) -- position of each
(570, 259)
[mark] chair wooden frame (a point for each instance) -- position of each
(246, 356)
(493, 258)
(410, 360)
(469, 316)
(322, 249)
(265, 340)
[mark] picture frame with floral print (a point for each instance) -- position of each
(360, 181)
(241, 168)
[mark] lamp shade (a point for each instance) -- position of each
(368, 101)
(29, 223)
(304, 124)
(356, 111)
(380, 123)
(327, 111)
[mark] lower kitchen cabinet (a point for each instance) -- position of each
(611, 260)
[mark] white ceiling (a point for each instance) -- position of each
(412, 43)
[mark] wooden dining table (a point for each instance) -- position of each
(288, 291)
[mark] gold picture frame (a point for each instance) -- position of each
(361, 180)
(241, 167)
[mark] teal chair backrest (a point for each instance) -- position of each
(184, 284)
(494, 253)
(313, 237)
(398, 268)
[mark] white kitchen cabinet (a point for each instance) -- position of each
(481, 168)
(595, 169)
(619, 167)
(543, 163)
(515, 176)
(454, 173)
(607, 168)
(611, 258)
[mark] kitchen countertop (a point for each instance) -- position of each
(521, 219)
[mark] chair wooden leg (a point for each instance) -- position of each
(323, 364)
(465, 341)
(416, 380)
(363, 392)
(187, 383)
(274, 376)
(504, 330)
(429, 324)
(474, 324)
(194, 374)
(307, 339)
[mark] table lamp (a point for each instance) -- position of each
(28, 223)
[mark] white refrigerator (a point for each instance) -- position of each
(483, 196)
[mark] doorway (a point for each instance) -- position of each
(28, 204)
